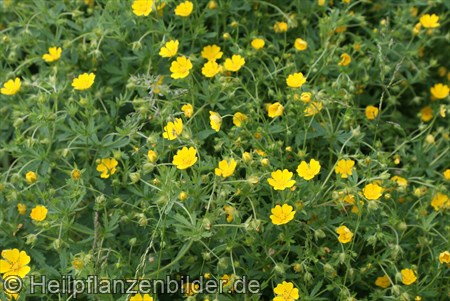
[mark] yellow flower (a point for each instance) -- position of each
(346, 1)
(295, 80)
(313, 108)
(235, 63)
(402, 182)
(173, 129)
(139, 297)
(212, 4)
(305, 97)
(300, 44)
(83, 81)
(152, 156)
(285, 291)
(54, 53)
(247, 157)
(344, 168)
(11, 87)
(426, 114)
(321, 2)
(21, 208)
(371, 112)
(185, 158)
(383, 281)
(190, 289)
(281, 180)
(447, 174)
(14, 263)
(183, 196)
(75, 174)
(417, 28)
(439, 91)
(282, 214)
(345, 60)
(31, 177)
(188, 110)
(180, 68)
(444, 257)
(170, 49)
(142, 7)
(258, 43)
(215, 120)
(229, 211)
(345, 235)
(211, 69)
(308, 170)
(107, 167)
(225, 168)
(429, 21)
(280, 27)
(440, 201)
(275, 110)
(408, 276)
(38, 213)
(372, 191)
(239, 118)
(211, 52)
(184, 9)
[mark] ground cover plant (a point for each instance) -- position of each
(303, 144)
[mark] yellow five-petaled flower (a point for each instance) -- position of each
(285, 291)
(11, 87)
(54, 53)
(14, 263)
(107, 167)
(173, 129)
(308, 170)
(281, 179)
(225, 168)
(282, 214)
(185, 158)
(83, 81)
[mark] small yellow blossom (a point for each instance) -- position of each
(285, 291)
(226, 168)
(416, 29)
(185, 158)
(408, 276)
(54, 53)
(21, 208)
(371, 112)
(184, 9)
(215, 120)
(173, 129)
(295, 80)
(446, 174)
(246, 157)
(429, 21)
(188, 110)
(372, 191)
(39, 213)
(183, 196)
(275, 110)
(439, 91)
(139, 297)
(169, 49)
(239, 118)
(230, 212)
(282, 214)
(180, 68)
(308, 170)
(211, 69)
(14, 263)
(211, 52)
(75, 174)
(31, 177)
(258, 43)
(142, 7)
(383, 281)
(281, 179)
(440, 201)
(344, 168)
(300, 44)
(345, 60)
(313, 108)
(107, 167)
(212, 4)
(83, 81)
(305, 97)
(402, 182)
(152, 156)
(345, 235)
(235, 63)
(280, 27)
(426, 114)
(444, 257)
(11, 87)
